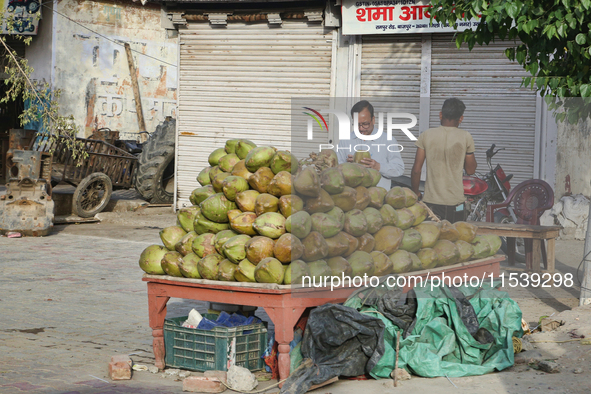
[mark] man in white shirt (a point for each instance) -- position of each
(388, 163)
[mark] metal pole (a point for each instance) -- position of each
(585, 297)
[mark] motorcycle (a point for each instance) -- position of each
(480, 191)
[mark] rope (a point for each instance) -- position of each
(517, 345)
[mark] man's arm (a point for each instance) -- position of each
(415, 174)
(470, 163)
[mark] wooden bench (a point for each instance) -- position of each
(534, 251)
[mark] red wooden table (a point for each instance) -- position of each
(283, 306)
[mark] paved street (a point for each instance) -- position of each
(71, 300)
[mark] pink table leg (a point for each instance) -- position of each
(157, 313)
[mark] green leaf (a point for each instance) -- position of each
(561, 30)
(581, 39)
(512, 9)
(585, 90)
(586, 4)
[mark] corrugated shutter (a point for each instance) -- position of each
(238, 81)
(391, 80)
(498, 110)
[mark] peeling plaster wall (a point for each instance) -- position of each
(93, 73)
(573, 159)
(38, 53)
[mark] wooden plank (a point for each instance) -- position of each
(136, 93)
(519, 233)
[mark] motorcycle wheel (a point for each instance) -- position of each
(519, 244)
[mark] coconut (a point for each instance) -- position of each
(376, 197)
(389, 216)
(232, 185)
(361, 198)
(259, 157)
(188, 266)
(411, 241)
(221, 238)
(374, 220)
(185, 245)
(352, 242)
(467, 231)
(295, 271)
(358, 156)
(361, 263)
(322, 203)
(233, 213)
(200, 194)
(376, 177)
(366, 243)
(428, 258)
(270, 224)
(328, 157)
(284, 161)
(466, 250)
(170, 236)
(290, 204)
(266, 203)
(204, 244)
(318, 270)
(234, 248)
(228, 162)
(186, 217)
(447, 253)
(246, 200)
(353, 174)
(203, 225)
(280, 185)
(419, 212)
(301, 224)
(447, 231)
(150, 259)
(355, 223)
(411, 197)
(216, 207)
(226, 271)
(416, 262)
(337, 214)
(388, 239)
(396, 197)
(325, 224)
(401, 261)
(208, 266)
(345, 200)
(231, 146)
(288, 248)
(494, 241)
(214, 172)
(243, 222)
(269, 270)
(339, 266)
(240, 169)
(307, 182)
(218, 181)
(315, 247)
(367, 180)
(332, 180)
(171, 262)
(404, 218)
(258, 248)
(243, 147)
(203, 177)
(337, 245)
(429, 234)
(382, 264)
(260, 180)
(244, 272)
(215, 156)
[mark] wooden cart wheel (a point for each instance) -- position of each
(92, 195)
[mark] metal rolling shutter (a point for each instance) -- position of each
(498, 110)
(391, 79)
(238, 82)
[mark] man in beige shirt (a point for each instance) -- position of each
(449, 151)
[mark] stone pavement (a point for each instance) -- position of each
(70, 301)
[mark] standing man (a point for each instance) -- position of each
(448, 150)
(388, 163)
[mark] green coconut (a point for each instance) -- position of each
(290, 204)
(203, 177)
(170, 236)
(374, 220)
(216, 207)
(301, 224)
(325, 224)
(243, 223)
(270, 224)
(201, 194)
(233, 185)
(226, 270)
(494, 241)
(215, 156)
(259, 157)
(401, 261)
(383, 265)
(315, 247)
(244, 272)
(221, 238)
(258, 248)
(411, 241)
(150, 259)
(243, 147)
(388, 239)
(288, 248)
(208, 266)
(466, 250)
(345, 200)
(171, 263)
(467, 231)
(404, 218)
(231, 146)
(337, 245)
(269, 270)
(318, 270)
(353, 173)
(411, 197)
(261, 179)
(227, 162)
(447, 253)
(429, 234)
(295, 271)
(188, 266)
(202, 225)
(240, 169)
(281, 184)
(376, 197)
(284, 161)
(361, 263)
(355, 223)
(419, 212)
(339, 266)
(246, 200)
(234, 248)
(204, 244)
(185, 244)
(448, 231)
(186, 217)
(361, 198)
(367, 243)
(389, 216)
(332, 180)
(396, 197)
(322, 203)
(428, 258)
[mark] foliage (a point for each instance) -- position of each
(551, 39)
(44, 101)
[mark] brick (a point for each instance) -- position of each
(120, 367)
(202, 384)
(220, 375)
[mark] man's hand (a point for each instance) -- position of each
(350, 159)
(371, 163)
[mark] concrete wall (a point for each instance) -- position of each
(92, 71)
(38, 53)
(573, 159)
